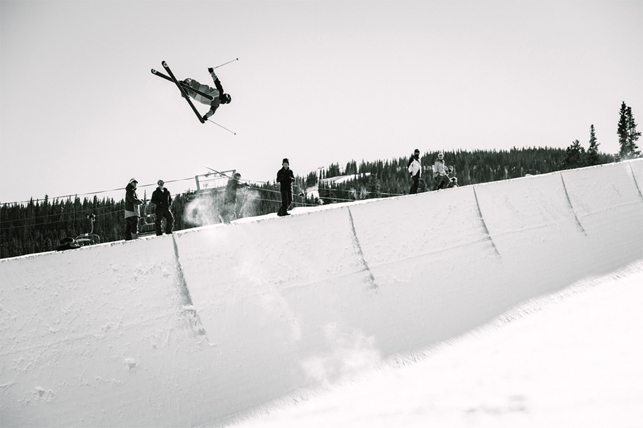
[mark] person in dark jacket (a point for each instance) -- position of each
(229, 211)
(286, 178)
(132, 210)
(163, 200)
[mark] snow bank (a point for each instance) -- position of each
(209, 323)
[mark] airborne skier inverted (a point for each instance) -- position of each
(190, 88)
(195, 90)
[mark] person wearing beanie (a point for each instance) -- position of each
(191, 87)
(132, 210)
(163, 200)
(229, 210)
(286, 178)
(440, 173)
(415, 170)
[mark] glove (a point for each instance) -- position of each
(210, 70)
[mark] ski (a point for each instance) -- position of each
(168, 78)
(178, 85)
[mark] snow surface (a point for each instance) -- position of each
(220, 322)
(571, 359)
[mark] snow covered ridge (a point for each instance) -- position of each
(314, 190)
(211, 323)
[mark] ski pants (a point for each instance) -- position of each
(131, 228)
(414, 186)
(442, 182)
(163, 213)
(286, 200)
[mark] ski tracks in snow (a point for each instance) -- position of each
(188, 309)
(371, 278)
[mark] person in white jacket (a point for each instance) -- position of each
(440, 173)
(415, 170)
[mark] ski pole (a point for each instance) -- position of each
(234, 133)
(236, 59)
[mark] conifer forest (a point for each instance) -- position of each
(45, 224)
(41, 225)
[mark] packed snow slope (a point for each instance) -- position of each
(198, 327)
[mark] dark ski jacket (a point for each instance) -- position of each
(286, 177)
(231, 191)
(132, 202)
(161, 198)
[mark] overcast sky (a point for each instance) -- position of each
(319, 82)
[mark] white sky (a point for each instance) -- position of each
(317, 81)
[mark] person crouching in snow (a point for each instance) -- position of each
(415, 169)
(217, 94)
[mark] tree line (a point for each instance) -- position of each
(576, 156)
(41, 225)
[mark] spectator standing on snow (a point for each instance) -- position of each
(415, 170)
(132, 210)
(163, 200)
(440, 172)
(286, 178)
(228, 212)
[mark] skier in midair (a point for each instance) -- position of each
(218, 95)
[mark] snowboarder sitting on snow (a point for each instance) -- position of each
(218, 96)
(163, 200)
(415, 169)
(286, 177)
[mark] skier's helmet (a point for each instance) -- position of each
(226, 99)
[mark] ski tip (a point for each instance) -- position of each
(164, 64)
(153, 71)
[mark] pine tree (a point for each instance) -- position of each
(632, 135)
(627, 133)
(574, 156)
(373, 187)
(622, 130)
(592, 151)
